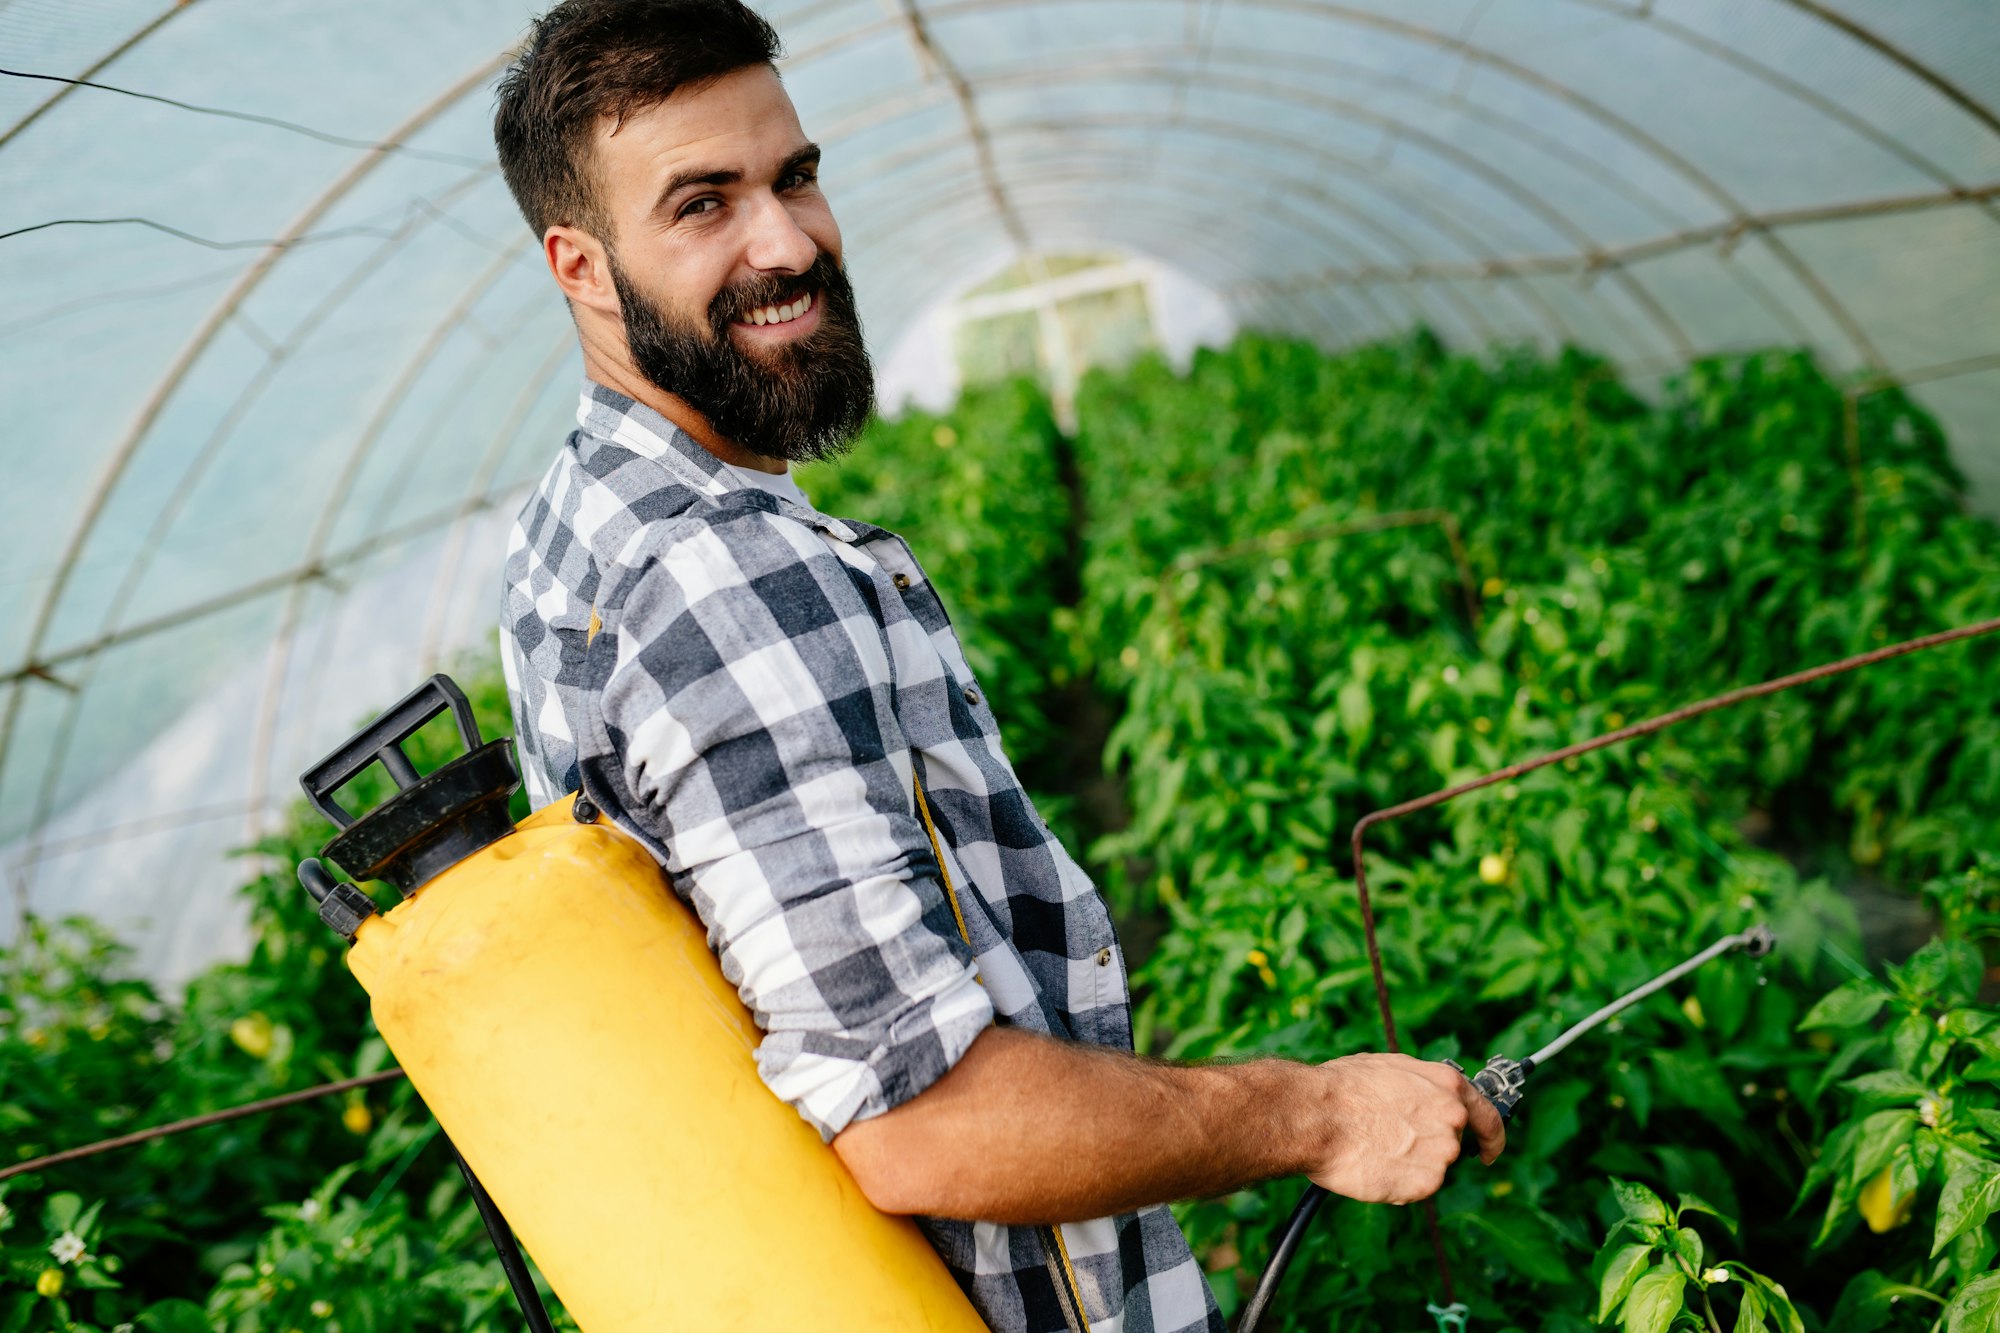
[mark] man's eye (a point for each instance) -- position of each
(696, 207)
(799, 179)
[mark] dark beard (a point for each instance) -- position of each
(806, 400)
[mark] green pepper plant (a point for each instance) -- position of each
(1913, 1151)
(1655, 1272)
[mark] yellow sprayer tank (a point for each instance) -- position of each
(557, 1007)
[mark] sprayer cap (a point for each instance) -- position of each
(435, 820)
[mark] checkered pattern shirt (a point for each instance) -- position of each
(773, 701)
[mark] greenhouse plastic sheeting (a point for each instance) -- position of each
(278, 355)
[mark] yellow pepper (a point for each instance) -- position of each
(252, 1033)
(1880, 1208)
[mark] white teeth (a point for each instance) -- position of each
(770, 314)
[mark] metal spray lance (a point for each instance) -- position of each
(1501, 1081)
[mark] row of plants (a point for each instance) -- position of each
(1302, 587)
(1285, 662)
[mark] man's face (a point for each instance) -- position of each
(726, 261)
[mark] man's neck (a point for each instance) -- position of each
(625, 380)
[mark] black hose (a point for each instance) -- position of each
(1274, 1272)
(511, 1260)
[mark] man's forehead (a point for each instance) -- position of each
(736, 121)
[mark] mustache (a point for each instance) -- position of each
(733, 302)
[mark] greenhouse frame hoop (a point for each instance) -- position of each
(190, 352)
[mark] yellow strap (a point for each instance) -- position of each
(951, 896)
(1075, 1291)
(950, 893)
(595, 625)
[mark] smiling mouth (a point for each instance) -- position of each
(783, 313)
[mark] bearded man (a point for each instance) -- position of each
(773, 701)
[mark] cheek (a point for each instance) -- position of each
(684, 276)
(815, 219)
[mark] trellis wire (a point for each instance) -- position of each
(228, 1113)
(1636, 729)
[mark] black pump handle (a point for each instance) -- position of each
(382, 740)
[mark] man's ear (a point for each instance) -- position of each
(581, 268)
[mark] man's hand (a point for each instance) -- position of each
(1396, 1123)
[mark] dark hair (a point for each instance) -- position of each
(586, 59)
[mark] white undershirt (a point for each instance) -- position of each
(777, 483)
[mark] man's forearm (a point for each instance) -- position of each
(1028, 1130)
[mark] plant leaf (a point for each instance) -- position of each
(1655, 1300)
(1620, 1272)
(173, 1316)
(1867, 1300)
(1750, 1314)
(1888, 1085)
(1686, 1246)
(1836, 1154)
(1976, 1308)
(1527, 1244)
(1848, 1006)
(1963, 1023)
(1971, 1193)
(1879, 1137)
(1640, 1204)
(1694, 1203)
(1776, 1303)
(1912, 1043)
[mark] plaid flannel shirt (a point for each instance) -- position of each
(773, 701)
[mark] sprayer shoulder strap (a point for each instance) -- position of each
(1054, 1253)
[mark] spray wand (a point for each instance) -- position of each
(1501, 1081)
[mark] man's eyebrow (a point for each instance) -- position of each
(680, 180)
(808, 156)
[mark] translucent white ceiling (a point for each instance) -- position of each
(250, 363)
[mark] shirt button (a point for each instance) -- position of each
(900, 580)
(971, 695)
(1104, 958)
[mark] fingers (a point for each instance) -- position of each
(1483, 1118)
(1399, 1123)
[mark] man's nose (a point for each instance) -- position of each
(777, 242)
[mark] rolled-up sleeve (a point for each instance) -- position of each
(749, 709)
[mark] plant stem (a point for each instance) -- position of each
(1798, 1145)
(1708, 1308)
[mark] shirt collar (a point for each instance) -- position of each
(610, 415)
